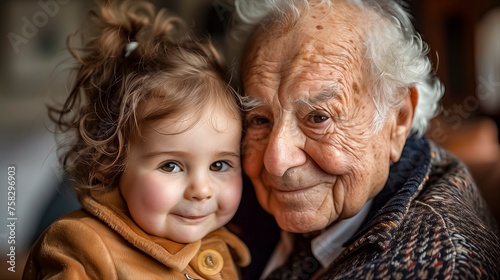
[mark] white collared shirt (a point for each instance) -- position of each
(325, 247)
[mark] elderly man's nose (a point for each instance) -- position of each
(282, 153)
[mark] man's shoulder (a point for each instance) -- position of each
(445, 231)
(452, 192)
(436, 240)
(448, 226)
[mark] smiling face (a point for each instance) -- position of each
(183, 176)
(310, 147)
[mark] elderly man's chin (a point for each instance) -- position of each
(303, 221)
(293, 215)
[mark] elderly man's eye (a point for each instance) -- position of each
(258, 126)
(258, 120)
(317, 118)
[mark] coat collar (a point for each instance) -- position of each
(110, 208)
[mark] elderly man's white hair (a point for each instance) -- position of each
(396, 54)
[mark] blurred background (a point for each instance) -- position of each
(464, 40)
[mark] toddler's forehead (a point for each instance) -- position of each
(185, 118)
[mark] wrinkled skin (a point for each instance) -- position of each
(310, 148)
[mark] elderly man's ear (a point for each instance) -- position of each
(403, 124)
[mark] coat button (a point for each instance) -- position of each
(210, 262)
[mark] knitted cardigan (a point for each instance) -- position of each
(429, 222)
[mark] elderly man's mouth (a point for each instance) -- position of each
(293, 189)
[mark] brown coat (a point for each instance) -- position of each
(102, 242)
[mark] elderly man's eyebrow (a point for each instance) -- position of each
(248, 103)
(323, 95)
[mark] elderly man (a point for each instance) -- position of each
(340, 93)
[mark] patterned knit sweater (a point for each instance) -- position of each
(429, 222)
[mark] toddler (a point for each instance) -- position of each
(155, 155)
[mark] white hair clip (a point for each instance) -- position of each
(130, 47)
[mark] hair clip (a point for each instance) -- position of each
(130, 47)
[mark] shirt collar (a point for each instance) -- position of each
(328, 245)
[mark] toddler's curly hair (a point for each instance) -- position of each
(105, 108)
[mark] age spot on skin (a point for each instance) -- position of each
(355, 87)
(319, 27)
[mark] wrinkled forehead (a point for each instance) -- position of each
(320, 29)
(340, 21)
(321, 50)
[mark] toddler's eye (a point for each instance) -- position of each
(219, 166)
(171, 167)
